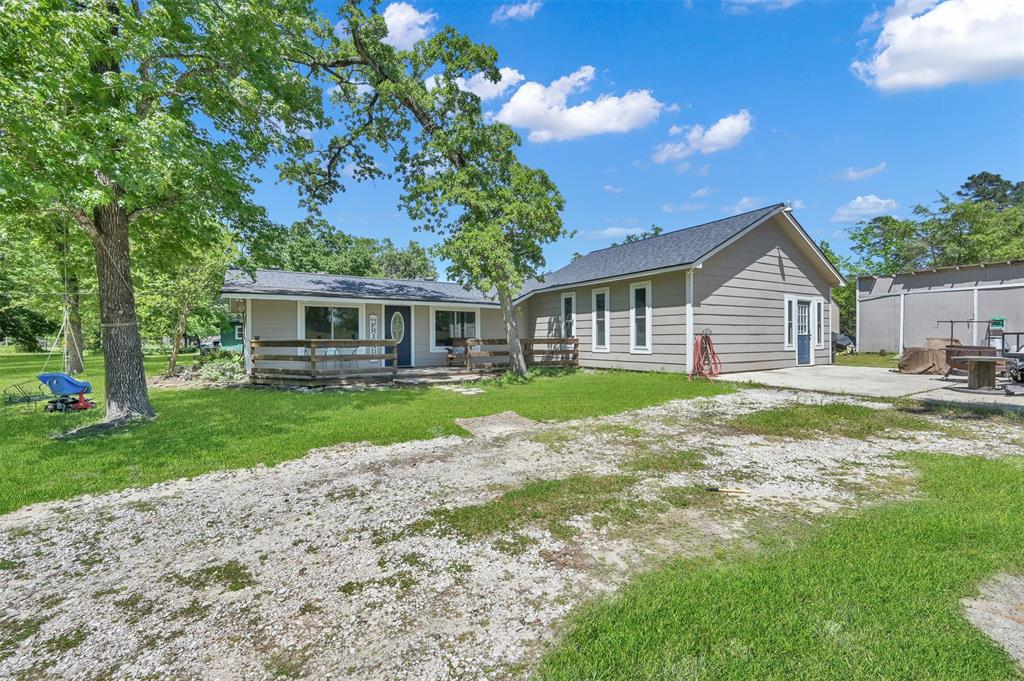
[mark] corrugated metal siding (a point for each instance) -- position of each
(739, 296)
(668, 324)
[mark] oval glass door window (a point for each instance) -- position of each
(397, 327)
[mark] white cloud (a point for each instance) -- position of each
(927, 44)
(683, 167)
(744, 6)
(544, 111)
(612, 189)
(863, 208)
(516, 12)
(483, 88)
(853, 174)
(406, 25)
(725, 134)
(684, 207)
(614, 232)
(677, 130)
(798, 204)
(744, 204)
(705, 170)
(703, 192)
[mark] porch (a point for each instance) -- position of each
(369, 361)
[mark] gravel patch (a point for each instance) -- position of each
(998, 610)
(322, 567)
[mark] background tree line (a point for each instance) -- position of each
(982, 222)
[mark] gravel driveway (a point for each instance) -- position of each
(322, 568)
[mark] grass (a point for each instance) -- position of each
(869, 359)
(870, 596)
(838, 420)
(198, 431)
(548, 503)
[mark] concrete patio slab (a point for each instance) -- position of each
(875, 382)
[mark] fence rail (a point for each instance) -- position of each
(492, 353)
(319, 362)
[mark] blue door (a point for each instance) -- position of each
(803, 332)
(398, 326)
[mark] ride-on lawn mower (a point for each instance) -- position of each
(70, 393)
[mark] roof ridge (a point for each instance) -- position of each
(683, 229)
(350, 276)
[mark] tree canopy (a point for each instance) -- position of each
(313, 245)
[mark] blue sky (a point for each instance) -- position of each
(676, 113)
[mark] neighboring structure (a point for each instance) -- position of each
(232, 333)
(902, 311)
(756, 282)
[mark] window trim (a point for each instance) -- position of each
(561, 314)
(648, 309)
(239, 331)
(432, 322)
(789, 322)
(819, 323)
(594, 293)
(360, 312)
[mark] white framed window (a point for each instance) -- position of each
(568, 315)
(640, 317)
(789, 332)
(239, 332)
(600, 320)
(322, 322)
(819, 323)
(447, 325)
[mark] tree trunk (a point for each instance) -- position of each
(516, 358)
(73, 341)
(126, 393)
(179, 331)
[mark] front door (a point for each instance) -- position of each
(803, 332)
(398, 327)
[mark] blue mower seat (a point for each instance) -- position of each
(61, 384)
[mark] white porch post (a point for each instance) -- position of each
(903, 300)
(247, 336)
(689, 321)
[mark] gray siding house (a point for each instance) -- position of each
(756, 282)
(904, 310)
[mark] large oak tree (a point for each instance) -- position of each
(460, 174)
(140, 124)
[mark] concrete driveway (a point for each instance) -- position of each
(873, 382)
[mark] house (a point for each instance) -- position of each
(232, 332)
(756, 282)
(904, 310)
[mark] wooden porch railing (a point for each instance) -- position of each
(310, 361)
(559, 352)
(471, 352)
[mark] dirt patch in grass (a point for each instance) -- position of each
(854, 421)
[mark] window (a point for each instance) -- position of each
(803, 322)
(332, 323)
(790, 302)
(568, 315)
(640, 317)
(452, 324)
(819, 324)
(599, 320)
(239, 332)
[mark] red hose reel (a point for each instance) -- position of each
(706, 362)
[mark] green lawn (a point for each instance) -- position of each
(869, 596)
(869, 359)
(203, 430)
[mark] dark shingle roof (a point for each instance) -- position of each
(282, 282)
(670, 249)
